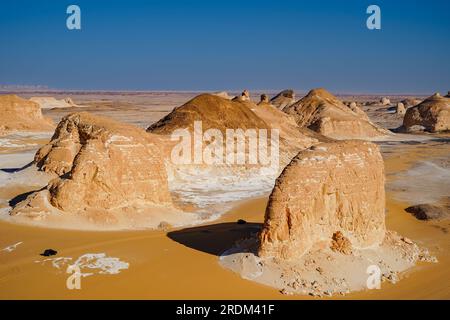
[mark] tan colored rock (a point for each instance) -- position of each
(341, 244)
(410, 102)
(329, 188)
(283, 99)
(433, 114)
(264, 98)
(53, 103)
(104, 167)
(245, 96)
(223, 94)
(385, 101)
(400, 108)
(322, 112)
(17, 114)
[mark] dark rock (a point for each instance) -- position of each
(49, 252)
(429, 211)
(241, 221)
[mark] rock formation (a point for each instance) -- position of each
(410, 102)
(52, 103)
(104, 167)
(264, 99)
(429, 211)
(214, 112)
(17, 114)
(329, 188)
(322, 112)
(283, 99)
(245, 96)
(433, 114)
(385, 101)
(400, 108)
(223, 94)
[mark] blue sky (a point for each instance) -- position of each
(215, 45)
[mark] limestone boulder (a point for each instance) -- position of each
(433, 114)
(331, 192)
(103, 166)
(17, 114)
(322, 112)
(400, 108)
(283, 99)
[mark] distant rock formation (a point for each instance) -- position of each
(53, 103)
(245, 96)
(410, 102)
(264, 99)
(214, 112)
(283, 99)
(322, 112)
(385, 101)
(329, 188)
(104, 168)
(433, 114)
(400, 108)
(223, 94)
(17, 114)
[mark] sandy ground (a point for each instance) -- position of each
(183, 263)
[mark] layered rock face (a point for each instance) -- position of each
(322, 112)
(330, 192)
(433, 114)
(103, 166)
(17, 114)
(283, 99)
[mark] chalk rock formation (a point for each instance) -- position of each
(322, 112)
(283, 99)
(53, 103)
(214, 112)
(433, 114)
(385, 101)
(400, 108)
(329, 188)
(410, 102)
(264, 99)
(17, 114)
(223, 94)
(104, 167)
(245, 96)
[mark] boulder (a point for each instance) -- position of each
(322, 112)
(19, 114)
(433, 114)
(245, 96)
(283, 99)
(103, 166)
(400, 108)
(385, 101)
(331, 191)
(429, 212)
(264, 99)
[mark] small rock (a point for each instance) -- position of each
(49, 252)
(407, 240)
(241, 221)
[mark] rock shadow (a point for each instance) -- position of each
(214, 239)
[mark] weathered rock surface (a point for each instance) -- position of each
(400, 108)
(429, 212)
(17, 114)
(385, 101)
(104, 167)
(329, 188)
(283, 99)
(322, 112)
(433, 114)
(410, 102)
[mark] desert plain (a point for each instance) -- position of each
(185, 262)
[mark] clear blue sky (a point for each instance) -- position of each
(214, 45)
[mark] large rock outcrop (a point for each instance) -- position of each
(104, 167)
(433, 114)
(322, 112)
(283, 99)
(329, 188)
(214, 112)
(17, 114)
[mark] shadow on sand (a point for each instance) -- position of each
(214, 239)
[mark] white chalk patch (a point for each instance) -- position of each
(13, 247)
(96, 263)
